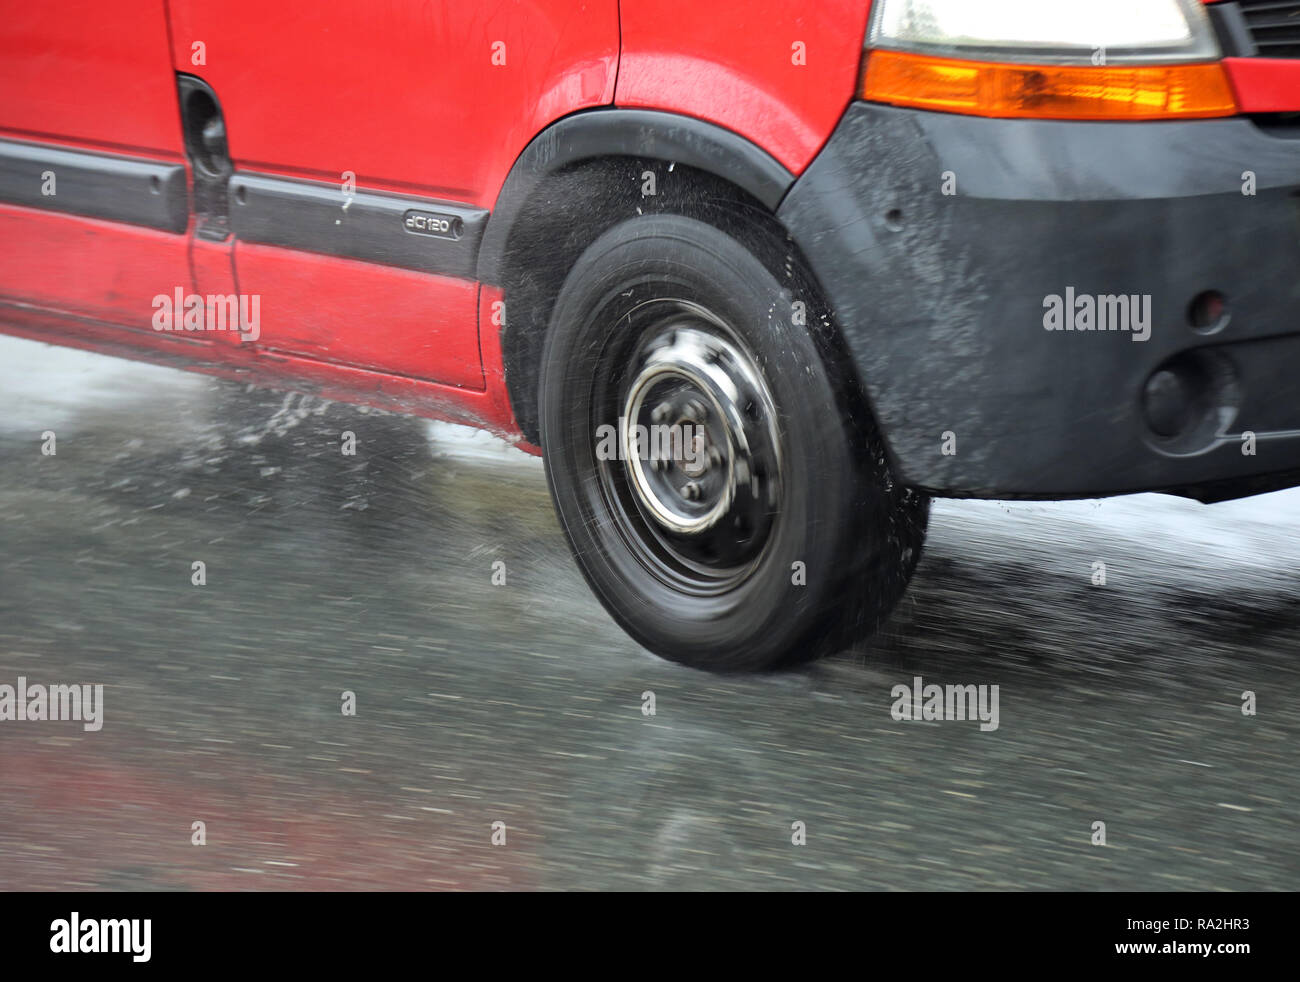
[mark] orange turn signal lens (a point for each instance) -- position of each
(982, 88)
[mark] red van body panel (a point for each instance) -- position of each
(410, 107)
(779, 74)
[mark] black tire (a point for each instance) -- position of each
(670, 312)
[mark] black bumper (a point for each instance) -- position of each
(941, 298)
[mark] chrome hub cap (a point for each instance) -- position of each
(698, 443)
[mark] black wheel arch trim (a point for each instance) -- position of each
(596, 133)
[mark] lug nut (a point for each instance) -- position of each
(691, 491)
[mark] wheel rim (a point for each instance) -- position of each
(697, 488)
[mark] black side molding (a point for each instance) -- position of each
(414, 233)
(122, 189)
(628, 133)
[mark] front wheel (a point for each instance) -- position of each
(724, 497)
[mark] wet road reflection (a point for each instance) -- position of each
(522, 703)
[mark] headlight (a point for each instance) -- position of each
(1047, 59)
(1045, 32)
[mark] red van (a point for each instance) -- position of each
(757, 278)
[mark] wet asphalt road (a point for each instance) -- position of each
(522, 703)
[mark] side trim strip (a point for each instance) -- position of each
(423, 234)
(123, 189)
